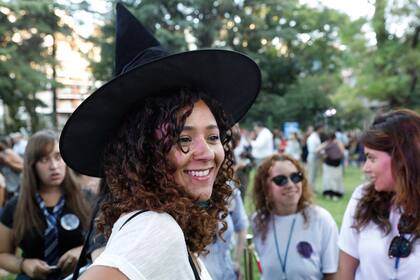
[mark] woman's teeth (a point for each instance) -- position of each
(199, 173)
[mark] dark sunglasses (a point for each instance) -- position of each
(282, 180)
(400, 246)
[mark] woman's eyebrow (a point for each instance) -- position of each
(211, 126)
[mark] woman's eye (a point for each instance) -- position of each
(214, 138)
(184, 140)
(43, 160)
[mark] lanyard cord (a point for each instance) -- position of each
(283, 264)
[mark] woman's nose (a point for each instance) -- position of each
(366, 167)
(202, 150)
(54, 163)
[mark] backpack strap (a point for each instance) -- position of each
(132, 216)
(83, 254)
(196, 274)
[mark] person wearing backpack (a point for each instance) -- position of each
(332, 152)
(160, 133)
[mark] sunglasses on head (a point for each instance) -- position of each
(282, 180)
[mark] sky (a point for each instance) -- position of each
(354, 8)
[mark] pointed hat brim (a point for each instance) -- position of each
(233, 79)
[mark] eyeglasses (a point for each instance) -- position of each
(282, 180)
(400, 246)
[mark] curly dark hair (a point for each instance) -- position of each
(263, 204)
(139, 174)
(398, 134)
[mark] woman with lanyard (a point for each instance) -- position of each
(379, 237)
(293, 238)
(48, 218)
(159, 133)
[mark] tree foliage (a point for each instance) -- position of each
(27, 38)
(294, 45)
(311, 58)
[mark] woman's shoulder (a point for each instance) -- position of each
(146, 233)
(147, 222)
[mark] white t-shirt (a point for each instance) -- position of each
(151, 246)
(262, 146)
(313, 143)
(321, 233)
(370, 246)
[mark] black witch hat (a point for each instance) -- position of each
(144, 68)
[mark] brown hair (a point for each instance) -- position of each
(398, 134)
(26, 216)
(263, 203)
(140, 176)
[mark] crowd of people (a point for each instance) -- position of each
(175, 169)
(318, 149)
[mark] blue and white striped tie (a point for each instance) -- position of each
(51, 232)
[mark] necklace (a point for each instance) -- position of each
(283, 263)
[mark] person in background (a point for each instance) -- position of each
(304, 141)
(18, 143)
(294, 238)
(379, 237)
(11, 165)
(243, 160)
(262, 145)
(313, 159)
(293, 147)
(47, 220)
(279, 141)
(164, 150)
(344, 140)
(332, 152)
(218, 261)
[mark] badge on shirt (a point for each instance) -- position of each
(69, 222)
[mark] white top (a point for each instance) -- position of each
(262, 146)
(370, 246)
(313, 143)
(321, 233)
(293, 149)
(151, 246)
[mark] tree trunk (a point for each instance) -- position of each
(54, 86)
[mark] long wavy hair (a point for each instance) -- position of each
(139, 175)
(26, 217)
(264, 204)
(398, 134)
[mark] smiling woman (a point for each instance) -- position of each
(201, 155)
(159, 133)
(294, 238)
